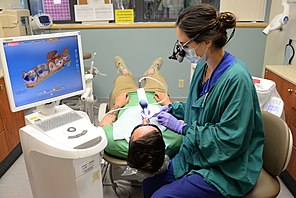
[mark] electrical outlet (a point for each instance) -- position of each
(181, 83)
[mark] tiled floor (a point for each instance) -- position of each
(15, 184)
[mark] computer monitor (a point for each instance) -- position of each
(41, 69)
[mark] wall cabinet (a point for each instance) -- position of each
(10, 123)
(287, 91)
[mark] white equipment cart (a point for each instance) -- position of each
(64, 162)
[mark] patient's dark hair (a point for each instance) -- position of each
(147, 153)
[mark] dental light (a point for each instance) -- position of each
(279, 20)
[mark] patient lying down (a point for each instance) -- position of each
(125, 112)
(147, 141)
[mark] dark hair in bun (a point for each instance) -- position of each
(203, 22)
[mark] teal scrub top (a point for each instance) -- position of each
(223, 139)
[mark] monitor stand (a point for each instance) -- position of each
(47, 109)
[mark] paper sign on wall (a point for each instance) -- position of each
(94, 13)
(124, 16)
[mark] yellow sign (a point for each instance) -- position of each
(124, 16)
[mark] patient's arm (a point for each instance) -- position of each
(110, 117)
(159, 96)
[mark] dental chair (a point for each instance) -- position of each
(115, 166)
(112, 164)
(277, 150)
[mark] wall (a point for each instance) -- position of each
(276, 40)
(139, 47)
(251, 10)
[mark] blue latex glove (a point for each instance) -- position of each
(161, 109)
(148, 114)
(170, 122)
(164, 108)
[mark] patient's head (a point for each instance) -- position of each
(146, 148)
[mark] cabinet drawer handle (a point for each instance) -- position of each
(290, 90)
(1, 87)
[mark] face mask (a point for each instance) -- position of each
(192, 57)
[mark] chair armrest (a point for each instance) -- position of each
(102, 111)
(290, 150)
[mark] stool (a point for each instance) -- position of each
(112, 162)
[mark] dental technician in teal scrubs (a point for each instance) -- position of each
(221, 152)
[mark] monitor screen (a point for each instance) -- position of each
(40, 69)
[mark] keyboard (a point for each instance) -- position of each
(58, 121)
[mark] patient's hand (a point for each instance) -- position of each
(121, 100)
(159, 96)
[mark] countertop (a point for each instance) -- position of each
(287, 72)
